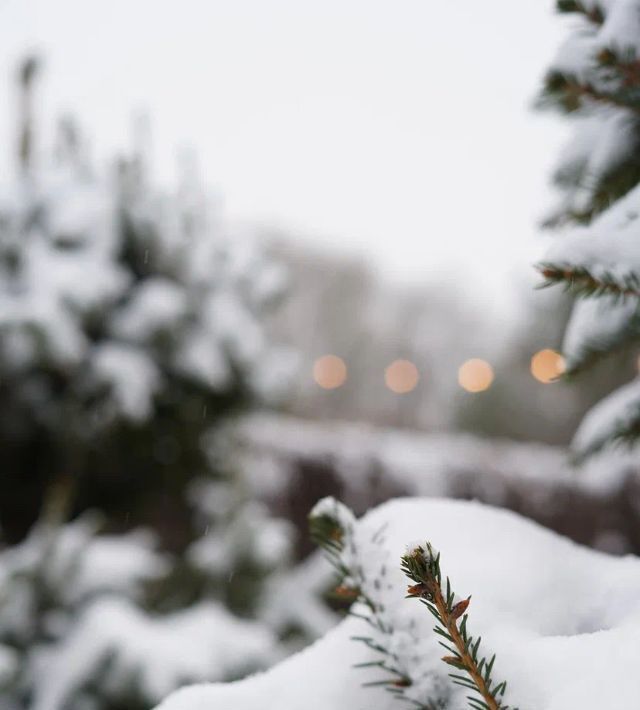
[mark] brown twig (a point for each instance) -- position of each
(467, 662)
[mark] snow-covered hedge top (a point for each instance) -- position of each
(267, 447)
(564, 621)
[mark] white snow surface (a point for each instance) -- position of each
(563, 620)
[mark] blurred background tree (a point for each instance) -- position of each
(130, 325)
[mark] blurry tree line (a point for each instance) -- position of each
(340, 305)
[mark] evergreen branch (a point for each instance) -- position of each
(331, 528)
(609, 77)
(595, 349)
(619, 99)
(624, 431)
(579, 281)
(422, 566)
(570, 93)
(625, 64)
(603, 187)
(594, 13)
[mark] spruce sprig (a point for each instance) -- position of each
(474, 672)
(581, 282)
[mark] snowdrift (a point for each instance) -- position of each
(563, 620)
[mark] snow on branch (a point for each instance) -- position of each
(601, 259)
(598, 165)
(616, 419)
(595, 76)
(596, 327)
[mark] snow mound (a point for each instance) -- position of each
(561, 618)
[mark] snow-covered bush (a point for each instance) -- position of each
(107, 622)
(245, 558)
(562, 620)
(75, 634)
(596, 78)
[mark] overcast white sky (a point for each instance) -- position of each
(398, 128)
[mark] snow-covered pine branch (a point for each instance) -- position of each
(596, 77)
(602, 258)
(614, 420)
(596, 327)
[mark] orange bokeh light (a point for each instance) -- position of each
(547, 365)
(329, 372)
(475, 375)
(401, 376)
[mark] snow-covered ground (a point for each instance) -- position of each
(563, 620)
